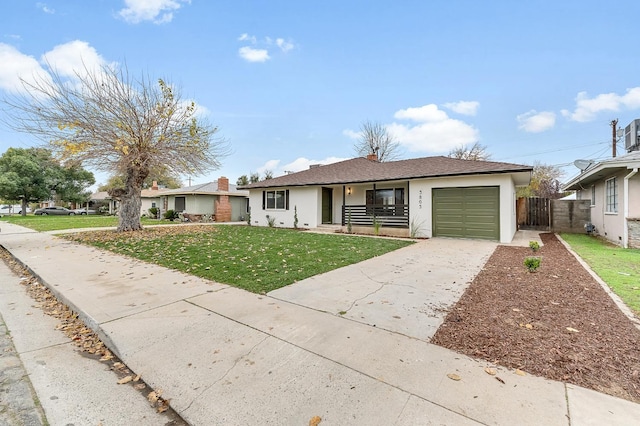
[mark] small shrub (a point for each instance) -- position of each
(376, 225)
(534, 246)
(532, 263)
(271, 221)
(153, 212)
(170, 215)
(295, 217)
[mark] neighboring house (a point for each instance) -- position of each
(219, 198)
(151, 197)
(613, 186)
(421, 197)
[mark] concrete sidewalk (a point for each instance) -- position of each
(226, 356)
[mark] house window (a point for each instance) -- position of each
(153, 204)
(611, 196)
(593, 195)
(388, 198)
(275, 200)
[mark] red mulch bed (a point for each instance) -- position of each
(556, 323)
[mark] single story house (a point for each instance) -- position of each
(420, 197)
(151, 197)
(613, 186)
(219, 198)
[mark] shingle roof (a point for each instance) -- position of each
(603, 169)
(205, 188)
(361, 170)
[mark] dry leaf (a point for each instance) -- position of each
(152, 397)
(528, 326)
(124, 380)
(315, 421)
(500, 380)
(454, 376)
(516, 310)
(490, 371)
(137, 378)
(139, 386)
(520, 372)
(573, 330)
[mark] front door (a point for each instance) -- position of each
(327, 205)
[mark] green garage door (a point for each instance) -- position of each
(467, 212)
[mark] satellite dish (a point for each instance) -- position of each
(582, 164)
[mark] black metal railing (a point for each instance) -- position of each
(393, 215)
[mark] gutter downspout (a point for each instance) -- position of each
(625, 231)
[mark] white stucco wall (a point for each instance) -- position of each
(307, 200)
(421, 197)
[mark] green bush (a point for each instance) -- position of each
(153, 212)
(170, 215)
(534, 246)
(532, 263)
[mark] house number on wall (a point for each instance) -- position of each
(420, 199)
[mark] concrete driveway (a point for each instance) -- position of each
(408, 291)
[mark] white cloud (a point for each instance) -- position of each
(463, 107)
(435, 131)
(536, 122)
(588, 108)
(157, 11)
(45, 8)
(73, 57)
(270, 165)
(297, 165)
(264, 47)
(253, 55)
(285, 46)
(247, 37)
(351, 134)
(17, 65)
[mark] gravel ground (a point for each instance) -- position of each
(558, 322)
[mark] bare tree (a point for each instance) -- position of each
(476, 152)
(376, 139)
(125, 126)
(545, 182)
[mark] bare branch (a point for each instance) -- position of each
(376, 139)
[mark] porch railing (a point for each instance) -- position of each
(393, 215)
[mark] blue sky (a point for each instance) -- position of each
(290, 82)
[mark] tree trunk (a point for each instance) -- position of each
(24, 205)
(130, 203)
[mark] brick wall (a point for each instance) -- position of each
(570, 215)
(223, 208)
(634, 233)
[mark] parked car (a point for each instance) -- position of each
(84, 211)
(60, 211)
(12, 209)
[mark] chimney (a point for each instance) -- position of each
(372, 157)
(154, 186)
(223, 184)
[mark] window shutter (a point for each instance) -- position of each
(286, 199)
(264, 197)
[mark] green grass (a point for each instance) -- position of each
(618, 267)
(256, 259)
(56, 223)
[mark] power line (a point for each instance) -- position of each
(553, 150)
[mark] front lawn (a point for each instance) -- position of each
(56, 223)
(253, 258)
(618, 267)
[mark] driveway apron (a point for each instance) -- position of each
(408, 291)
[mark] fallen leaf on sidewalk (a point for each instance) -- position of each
(500, 380)
(520, 372)
(315, 421)
(454, 376)
(124, 380)
(490, 371)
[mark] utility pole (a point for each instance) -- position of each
(614, 126)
